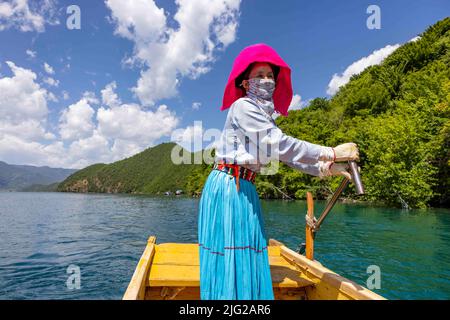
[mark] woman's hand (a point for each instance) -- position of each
(340, 153)
(330, 168)
(346, 152)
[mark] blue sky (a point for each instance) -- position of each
(100, 98)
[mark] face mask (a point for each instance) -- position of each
(261, 88)
(261, 91)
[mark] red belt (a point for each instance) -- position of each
(236, 171)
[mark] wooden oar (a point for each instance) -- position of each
(313, 226)
(331, 203)
(309, 230)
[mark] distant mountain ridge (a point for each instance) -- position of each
(17, 177)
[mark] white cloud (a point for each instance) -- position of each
(190, 138)
(84, 135)
(23, 120)
(109, 97)
(139, 20)
(94, 148)
(90, 97)
(196, 105)
(27, 15)
(76, 121)
(26, 129)
(167, 53)
(131, 122)
(48, 68)
(21, 97)
(124, 148)
(23, 110)
(65, 95)
(31, 54)
(16, 150)
(297, 103)
(51, 82)
(119, 130)
(357, 67)
(51, 97)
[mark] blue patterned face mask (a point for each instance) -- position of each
(261, 91)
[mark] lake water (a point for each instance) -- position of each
(104, 235)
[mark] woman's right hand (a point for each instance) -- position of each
(330, 168)
(346, 152)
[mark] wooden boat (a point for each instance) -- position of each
(171, 271)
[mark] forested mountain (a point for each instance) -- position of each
(150, 171)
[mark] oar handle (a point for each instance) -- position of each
(356, 177)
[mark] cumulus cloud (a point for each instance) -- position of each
(14, 149)
(85, 133)
(26, 15)
(26, 129)
(94, 148)
(76, 121)
(21, 97)
(376, 57)
(109, 97)
(114, 131)
(131, 122)
(23, 115)
(190, 138)
(167, 53)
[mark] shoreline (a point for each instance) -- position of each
(186, 195)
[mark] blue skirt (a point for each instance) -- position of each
(234, 260)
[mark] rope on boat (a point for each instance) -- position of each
(311, 222)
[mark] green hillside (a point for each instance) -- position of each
(150, 171)
(398, 113)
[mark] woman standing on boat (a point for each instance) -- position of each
(234, 262)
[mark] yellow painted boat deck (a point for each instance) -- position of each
(172, 271)
(177, 264)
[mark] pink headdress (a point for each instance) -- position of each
(260, 52)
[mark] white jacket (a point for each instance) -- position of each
(251, 138)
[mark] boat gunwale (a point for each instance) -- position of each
(137, 286)
(314, 269)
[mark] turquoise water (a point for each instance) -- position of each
(104, 235)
